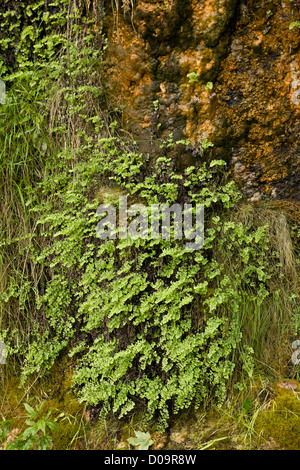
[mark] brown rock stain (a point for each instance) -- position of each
(252, 58)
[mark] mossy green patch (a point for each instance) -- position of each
(281, 421)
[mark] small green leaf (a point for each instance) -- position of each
(295, 23)
(42, 425)
(209, 86)
(247, 405)
(29, 409)
(142, 440)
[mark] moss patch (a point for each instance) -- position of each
(281, 421)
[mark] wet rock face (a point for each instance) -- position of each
(257, 86)
(220, 70)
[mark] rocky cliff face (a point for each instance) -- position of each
(223, 70)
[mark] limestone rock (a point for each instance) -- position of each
(161, 56)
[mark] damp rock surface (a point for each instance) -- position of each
(220, 70)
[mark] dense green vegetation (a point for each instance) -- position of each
(150, 324)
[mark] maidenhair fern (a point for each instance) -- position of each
(157, 322)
